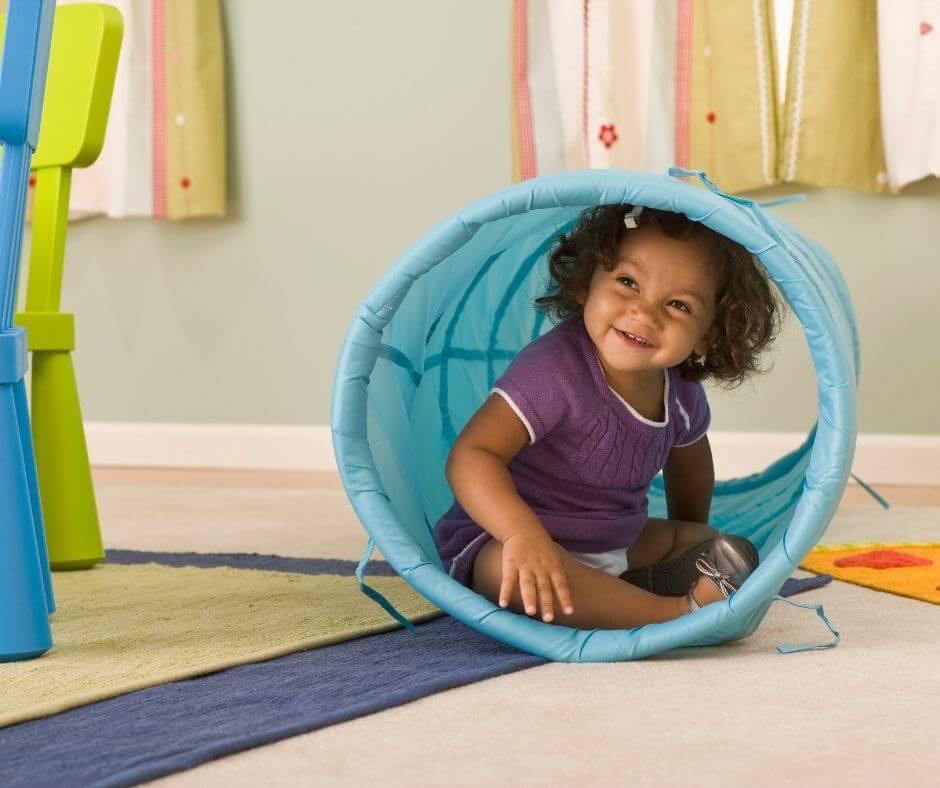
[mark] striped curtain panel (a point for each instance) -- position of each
(909, 72)
(831, 135)
(649, 84)
(164, 151)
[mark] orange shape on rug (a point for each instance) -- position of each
(883, 559)
(864, 565)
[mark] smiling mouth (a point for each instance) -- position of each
(633, 339)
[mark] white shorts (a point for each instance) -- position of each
(613, 562)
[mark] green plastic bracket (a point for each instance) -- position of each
(47, 330)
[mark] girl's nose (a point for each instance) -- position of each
(646, 313)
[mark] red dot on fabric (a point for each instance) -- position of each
(185, 183)
(882, 559)
(32, 180)
(925, 28)
(608, 135)
(710, 117)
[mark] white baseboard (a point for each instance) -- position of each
(879, 459)
(236, 446)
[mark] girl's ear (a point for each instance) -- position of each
(706, 342)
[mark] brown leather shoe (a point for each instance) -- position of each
(727, 563)
(673, 577)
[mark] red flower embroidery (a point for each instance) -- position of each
(185, 183)
(925, 28)
(608, 135)
(882, 559)
(710, 117)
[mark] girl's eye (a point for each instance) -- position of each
(682, 304)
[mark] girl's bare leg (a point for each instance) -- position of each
(662, 539)
(601, 601)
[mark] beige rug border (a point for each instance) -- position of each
(48, 708)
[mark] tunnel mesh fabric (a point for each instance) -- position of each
(443, 323)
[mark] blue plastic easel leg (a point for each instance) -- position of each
(32, 480)
(24, 576)
(24, 611)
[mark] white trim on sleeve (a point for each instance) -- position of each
(701, 435)
(518, 412)
(685, 416)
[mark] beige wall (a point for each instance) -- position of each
(355, 128)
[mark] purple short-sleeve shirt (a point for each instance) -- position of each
(590, 458)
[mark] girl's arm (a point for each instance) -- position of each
(689, 476)
(478, 474)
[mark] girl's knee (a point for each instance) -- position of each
(688, 532)
(487, 571)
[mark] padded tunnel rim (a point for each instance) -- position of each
(826, 475)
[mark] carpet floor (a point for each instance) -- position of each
(860, 714)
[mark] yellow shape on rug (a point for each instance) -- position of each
(917, 582)
(122, 628)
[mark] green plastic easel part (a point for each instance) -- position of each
(86, 42)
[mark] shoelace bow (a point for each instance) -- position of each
(720, 579)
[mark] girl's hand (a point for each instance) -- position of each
(532, 558)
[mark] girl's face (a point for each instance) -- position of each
(661, 291)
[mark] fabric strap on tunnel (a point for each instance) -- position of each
(810, 646)
(871, 491)
(374, 595)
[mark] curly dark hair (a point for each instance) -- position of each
(749, 310)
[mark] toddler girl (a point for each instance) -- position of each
(550, 475)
